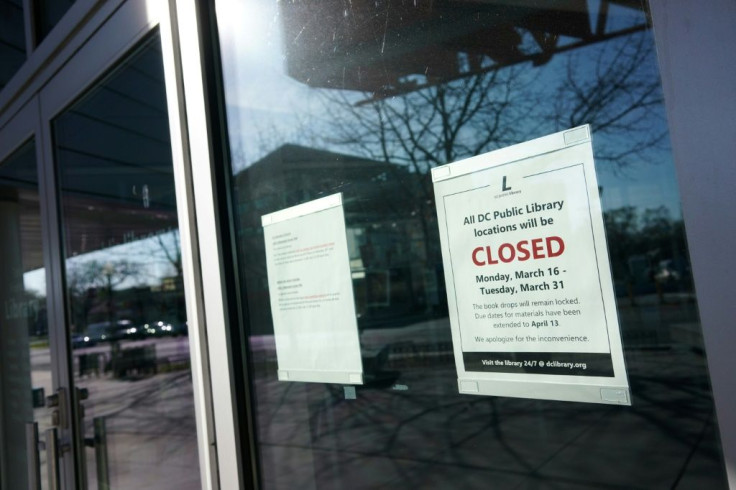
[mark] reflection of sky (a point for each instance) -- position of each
(148, 254)
(264, 105)
(266, 108)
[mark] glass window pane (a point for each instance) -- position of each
(365, 98)
(127, 319)
(12, 39)
(25, 357)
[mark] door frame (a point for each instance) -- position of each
(233, 428)
(91, 38)
(19, 129)
(22, 128)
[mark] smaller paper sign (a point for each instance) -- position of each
(311, 292)
(529, 286)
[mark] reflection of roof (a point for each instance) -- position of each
(19, 187)
(389, 48)
(293, 174)
(300, 167)
(29, 226)
(382, 204)
(306, 158)
(114, 158)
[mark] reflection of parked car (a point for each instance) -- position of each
(98, 332)
(177, 329)
(149, 329)
(106, 331)
(666, 272)
(80, 341)
(158, 328)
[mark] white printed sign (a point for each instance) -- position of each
(529, 285)
(311, 292)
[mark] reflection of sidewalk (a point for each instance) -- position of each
(372, 340)
(151, 432)
(420, 433)
(428, 436)
(658, 323)
(146, 356)
(655, 299)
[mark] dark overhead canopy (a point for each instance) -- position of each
(393, 47)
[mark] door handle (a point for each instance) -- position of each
(52, 458)
(99, 442)
(32, 458)
(103, 473)
(59, 403)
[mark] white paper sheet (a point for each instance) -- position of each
(311, 293)
(529, 286)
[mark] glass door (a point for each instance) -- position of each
(126, 380)
(26, 354)
(126, 315)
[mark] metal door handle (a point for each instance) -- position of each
(103, 473)
(32, 458)
(99, 442)
(79, 394)
(52, 458)
(58, 401)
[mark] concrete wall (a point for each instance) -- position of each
(695, 42)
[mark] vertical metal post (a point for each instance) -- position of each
(103, 475)
(32, 458)
(52, 458)
(29, 23)
(698, 65)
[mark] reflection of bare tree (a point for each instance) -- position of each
(614, 88)
(649, 232)
(621, 230)
(170, 250)
(648, 251)
(437, 125)
(440, 124)
(169, 247)
(91, 284)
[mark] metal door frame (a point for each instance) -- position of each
(698, 68)
(91, 38)
(24, 126)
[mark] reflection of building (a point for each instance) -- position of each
(392, 233)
